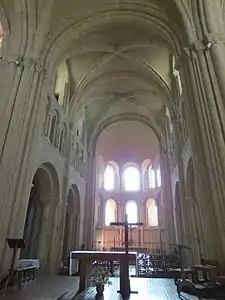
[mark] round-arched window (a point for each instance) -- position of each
(110, 212)
(132, 179)
(109, 178)
(152, 212)
(131, 211)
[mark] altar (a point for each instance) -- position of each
(87, 257)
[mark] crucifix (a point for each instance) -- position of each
(124, 267)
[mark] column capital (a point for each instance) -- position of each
(26, 62)
(214, 38)
(201, 46)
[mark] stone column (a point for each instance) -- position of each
(90, 200)
(142, 218)
(205, 134)
(117, 212)
(122, 212)
(45, 235)
(121, 179)
(55, 249)
(167, 198)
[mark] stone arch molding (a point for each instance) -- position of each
(153, 79)
(71, 230)
(70, 29)
(49, 181)
(76, 196)
(41, 223)
(16, 28)
(120, 118)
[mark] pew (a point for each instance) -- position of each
(24, 274)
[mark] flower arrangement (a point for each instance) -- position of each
(100, 276)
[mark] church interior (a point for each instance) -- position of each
(112, 147)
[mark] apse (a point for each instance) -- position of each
(127, 142)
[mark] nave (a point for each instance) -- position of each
(111, 109)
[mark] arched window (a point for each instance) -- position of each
(158, 177)
(62, 141)
(169, 121)
(61, 80)
(53, 129)
(132, 179)
(152, 179)
(152, 213)
(109, 178)
(131, 211)
(47, 119)
(110, 212)
(176, 74)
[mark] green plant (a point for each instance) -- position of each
(100, 276)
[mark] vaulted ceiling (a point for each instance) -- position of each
(119, 55)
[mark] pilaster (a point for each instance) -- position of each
(23, 88)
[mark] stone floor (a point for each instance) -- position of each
(153, 289)
(65, 287)
(46, 288)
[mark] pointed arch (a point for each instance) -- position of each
(132, 211)
(132, 178)
(152, 212)
(110, 212)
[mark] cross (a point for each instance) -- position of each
(126, 225)
(124, 279)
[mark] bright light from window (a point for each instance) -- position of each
(109, 178)
(158, 177)
(110, 212)
(131, 211)
(152, 212)
(152, 179)
(132, 179)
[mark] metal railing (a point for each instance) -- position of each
(149, 247)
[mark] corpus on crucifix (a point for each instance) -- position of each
(124, 266)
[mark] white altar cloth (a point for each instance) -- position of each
(28, 263)
(74, 264)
